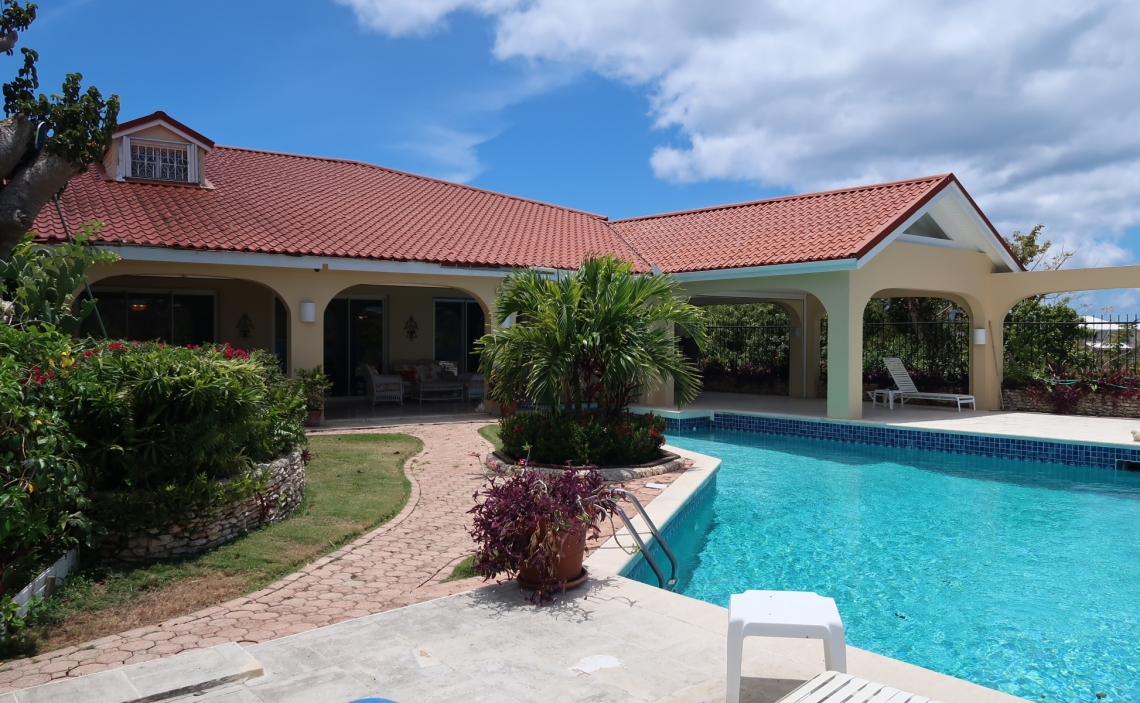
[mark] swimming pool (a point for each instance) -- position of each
(1020, 576)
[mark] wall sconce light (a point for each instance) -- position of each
(980, 335)
(308, 312)
(797, 332)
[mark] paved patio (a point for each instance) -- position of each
(613, 640)
(404, 561)
(1078, 428)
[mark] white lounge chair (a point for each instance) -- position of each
(906, 390)
(836, 687)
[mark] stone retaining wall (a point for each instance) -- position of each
(1093, 404)
(195, 533)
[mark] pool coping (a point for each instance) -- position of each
(611, 558)
(1004, 446)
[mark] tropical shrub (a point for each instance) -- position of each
(596, 337)
(150, 415)
(587, 438)
(523, 522)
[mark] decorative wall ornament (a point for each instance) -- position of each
(244, 327)
(411, 328)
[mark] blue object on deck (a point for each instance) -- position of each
(373, 700)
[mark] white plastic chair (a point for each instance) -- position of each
(782, 614)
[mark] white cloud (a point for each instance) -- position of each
(1035, 104)
(454, 153)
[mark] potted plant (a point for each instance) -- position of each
(533, 526)
(316, 385)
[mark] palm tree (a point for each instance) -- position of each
(600, 334)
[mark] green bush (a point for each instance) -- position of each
(150, 415)
(587, 438)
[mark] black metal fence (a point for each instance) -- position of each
(746, 349)
(939, 352)
(1089, 347)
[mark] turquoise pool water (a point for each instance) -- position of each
(1019, 576)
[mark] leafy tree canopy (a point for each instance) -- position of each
(46, 139)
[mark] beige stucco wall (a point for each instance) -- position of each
(319, 286)
(901, 269)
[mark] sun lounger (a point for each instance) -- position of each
(908, 391)
(831, 686)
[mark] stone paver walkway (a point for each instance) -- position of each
(400, 563)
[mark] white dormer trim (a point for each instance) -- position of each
(159, 122)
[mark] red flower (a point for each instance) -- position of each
(161, 345)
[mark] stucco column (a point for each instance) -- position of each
(844, 352)
(986, 360)
(306, 339)
(813, 326)
(796, 339)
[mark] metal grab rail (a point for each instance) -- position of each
(672, 582)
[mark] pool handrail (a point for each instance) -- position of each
(661, 582)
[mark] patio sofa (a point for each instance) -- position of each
(427, 379)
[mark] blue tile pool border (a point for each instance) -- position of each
(1001, 447)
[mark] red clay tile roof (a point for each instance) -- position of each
(284, 204)
(832, 225)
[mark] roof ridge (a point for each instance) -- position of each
(397, 171)
(799, 196)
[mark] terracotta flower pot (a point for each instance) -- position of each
(314, 418)
(568, 565)
(508, 409)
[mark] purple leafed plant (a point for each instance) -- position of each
(523, 520)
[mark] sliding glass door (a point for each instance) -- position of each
(458, 324)
(354, 335)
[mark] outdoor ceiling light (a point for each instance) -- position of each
(308, 311)
(138, 307)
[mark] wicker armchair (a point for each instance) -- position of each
(383, 388)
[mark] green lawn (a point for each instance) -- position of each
(491, 434)
(353, 484)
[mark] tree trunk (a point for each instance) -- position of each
(16, 135)
(28, 190)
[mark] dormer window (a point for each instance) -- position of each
(158, 148)
(164, 161)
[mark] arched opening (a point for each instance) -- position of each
(414, 333)
(191, 310)
(930, 334)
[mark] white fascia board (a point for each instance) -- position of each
(773, 270)
(243, 258)
(164, 123)
(990, 237)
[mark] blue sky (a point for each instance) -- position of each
(627, 108)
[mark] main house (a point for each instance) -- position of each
(335, 262)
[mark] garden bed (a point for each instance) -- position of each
(498, 461)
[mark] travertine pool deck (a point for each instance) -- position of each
(490, 645)
(1072, 428)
